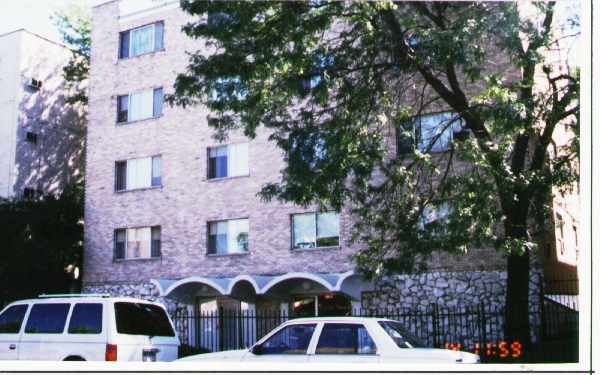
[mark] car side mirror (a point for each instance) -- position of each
(257, 349)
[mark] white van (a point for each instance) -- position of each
(87, 328)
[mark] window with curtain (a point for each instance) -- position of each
(138, 173)
(228, 236)
(137, 243)
(140, 105)
(228, 161)
(435, 218)
(315, 229)
(141, 40)
(429, 133)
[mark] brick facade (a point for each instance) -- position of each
(187, 200)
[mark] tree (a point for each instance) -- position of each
(332, 80)
(74, 25)
(42, 238)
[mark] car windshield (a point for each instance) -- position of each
(402, 337)
(142, 319)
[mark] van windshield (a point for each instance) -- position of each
(142, 319)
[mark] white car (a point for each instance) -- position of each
(87, 328)
(344, 339)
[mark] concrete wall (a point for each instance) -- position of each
(9, 81)
(56, 159)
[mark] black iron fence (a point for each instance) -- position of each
(478, 329)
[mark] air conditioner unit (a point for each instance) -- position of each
(35, 84)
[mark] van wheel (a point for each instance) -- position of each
(74, 358)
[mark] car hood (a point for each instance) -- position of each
(230, 354)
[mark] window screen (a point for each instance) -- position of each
(345, 339)
(12, 318)
(86, 318)
(47, 318)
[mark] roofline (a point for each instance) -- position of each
(80, 299)
(103, 3)
(34, 34)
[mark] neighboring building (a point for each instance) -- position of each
(42, 137)
(172, 214)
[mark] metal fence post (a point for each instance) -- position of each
(434, 323)
(482, 329)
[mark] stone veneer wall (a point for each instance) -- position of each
(454, 290)
(146, 291)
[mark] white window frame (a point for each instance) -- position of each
(316, 230)
(153, 26)
(127, 229)
(129, 106)
(229, 149)
(127, 171)
(449, 127)
(229, 240)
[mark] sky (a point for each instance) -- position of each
(34, 15)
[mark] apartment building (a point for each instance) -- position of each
(173, 214)
(42, 137)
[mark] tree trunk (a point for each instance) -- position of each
(517, 299)
(517, 290)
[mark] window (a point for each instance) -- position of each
(228, 236)
(293, 339)
(47, 318)
(35, 84)
(403, 338)
(31, 137)
(317, 74)
(435, 218)
(137, 173)
(140, 105)
(560, 223)
(429, 133)
(142, 319)
(319, 229)
(12, 318)
(227, 89)
(137, 243)
(145, 39)
(219, 19)
(86, 318)
(29, 193)
(228, 161)
(345, 339)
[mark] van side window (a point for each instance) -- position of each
(12, 318)
(86, 318)
(142, 319)
(47, 318)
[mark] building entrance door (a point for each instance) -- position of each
(328, 304)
